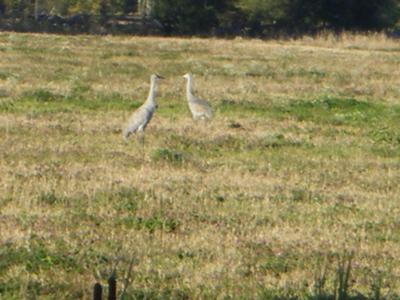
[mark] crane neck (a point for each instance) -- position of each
(189, 89)
(152, 93)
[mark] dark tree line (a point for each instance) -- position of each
(268, 17)
(227, 17)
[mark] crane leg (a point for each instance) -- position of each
(140, 139)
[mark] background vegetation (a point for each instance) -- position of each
(295, 179)
(233, 17)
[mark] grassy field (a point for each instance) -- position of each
(296, 177)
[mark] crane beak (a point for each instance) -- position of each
(160, 77)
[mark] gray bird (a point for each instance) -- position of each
(142, 116)
(200, 108)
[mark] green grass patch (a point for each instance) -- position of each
(36, 258)
(150, 224)
(41, 95)
(336, 111)
(81, 97)
(324, 110)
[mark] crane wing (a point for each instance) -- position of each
(137, 121)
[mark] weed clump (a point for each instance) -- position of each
(41, 95)
(51, 198)
(168, 155)
(151, 224)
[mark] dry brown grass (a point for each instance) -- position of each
(206, 210)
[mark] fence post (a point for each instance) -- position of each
(112, 288)
(97, 292)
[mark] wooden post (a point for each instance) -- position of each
(97, 292)
(112, 288)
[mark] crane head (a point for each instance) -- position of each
(187, 76)
(156, 77)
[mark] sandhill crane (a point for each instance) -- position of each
(200, 108)
(142, 116)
